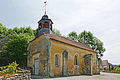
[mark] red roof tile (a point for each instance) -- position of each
(68, 41)
(105, 62)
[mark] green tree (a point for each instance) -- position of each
(3, 31)
(21, 30)
(57, 32)
(17, 30)
(86, 38)
(16, 49)
(73, 36)
(91, 41)
(29, 31)
(10, 31)
(35, 32)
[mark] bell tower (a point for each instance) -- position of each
(45, 24)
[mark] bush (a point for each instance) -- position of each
(117, 69)
(10, 69)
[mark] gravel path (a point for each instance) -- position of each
(102, 76)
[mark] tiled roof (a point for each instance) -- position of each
(68, 41)
(105, 62)
(5, 40)
(8, 36)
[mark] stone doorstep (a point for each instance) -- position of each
(12, 78)
(36, 77)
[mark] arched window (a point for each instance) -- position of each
(51, 27)
(46, 25)
(56, 60)
(75, 60)
(40, 26)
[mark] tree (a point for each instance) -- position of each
(57, 32)
(86, 38)
(29, 31)
(16, 49)
(91, 41)
(35, 32)
(17, 30)
(73, 36)
(10, 31)
(3, 31)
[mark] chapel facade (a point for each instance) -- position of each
(50, 55)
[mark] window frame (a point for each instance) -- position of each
(56, 61)
(46, 23)
(75, 60)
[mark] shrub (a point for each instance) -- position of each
(10, 69)
(117, 69)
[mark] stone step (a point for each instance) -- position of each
(36, 77)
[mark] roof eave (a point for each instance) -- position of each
(74, 45)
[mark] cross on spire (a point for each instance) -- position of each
(45, 6)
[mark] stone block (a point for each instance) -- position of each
(51, 74)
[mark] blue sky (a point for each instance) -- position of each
(101, 17)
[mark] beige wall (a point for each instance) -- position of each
(58, 48)
(39, 49)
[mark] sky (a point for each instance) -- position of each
(101, 17)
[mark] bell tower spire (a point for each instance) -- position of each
(45, 6)
(44, 24)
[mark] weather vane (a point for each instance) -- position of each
(45, 6)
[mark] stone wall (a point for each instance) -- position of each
(39, 49)
(57, 48)
(23, 75)
(44, 50)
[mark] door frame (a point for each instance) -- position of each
(91, 64)
(35, 67)
(65, 63)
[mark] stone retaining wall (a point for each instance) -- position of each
(24, 75)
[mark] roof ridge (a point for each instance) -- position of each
(71, 40)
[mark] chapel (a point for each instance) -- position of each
(50, 55)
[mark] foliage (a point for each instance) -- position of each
(118, 66)
(117, 69)
(73, 36)
(35, 32)
(3, 31)
(89, 40)
(57, 32)
(16, 49)
(10, 69)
